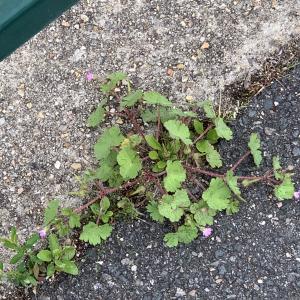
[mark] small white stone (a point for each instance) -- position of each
(288, 255)
(134, 268)
(180, 292)
(57, 164)
(260, 281)
(276, 103)
(263, 223)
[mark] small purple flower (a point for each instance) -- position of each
(89, 76)
(207, 232)
(43, 233)
(297, 195)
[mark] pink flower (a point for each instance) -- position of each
(207, 232)
(89, 76)
(43, 233)
(297, 195)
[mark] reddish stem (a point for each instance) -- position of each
(210, 126)
(240, 160)
(105, 192)
(201, 171)
(135, 124)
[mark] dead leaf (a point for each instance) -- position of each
(180, 66)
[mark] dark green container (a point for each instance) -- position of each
(22, 19)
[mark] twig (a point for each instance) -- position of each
(203, 133)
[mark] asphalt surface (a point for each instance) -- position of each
(186, 49)
(254, 254)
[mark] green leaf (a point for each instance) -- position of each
(152, 209)
(107, 167)
(104, 204)
(172, 207)
(68, 252)
(198, 126)
(286, 189)
(233, 207)
(232, 183)
(110, 138)
(212, 136)
(131, 99)
(212, 156)
(1, 266)
(129, 162)
(217, 196)
(254, 145)
(51, 211)
(74, 221)
(8, 244)
(176, 174)
(127, 208)
(50, 270)
(171, 239)
(156, 98)
(208, 109)
(53, 242)
(45, 255)
(16, 258)
(112, 82)
(166, 114)
(13, 235)
(93, 233)
(152, 142)
(222, 129)
(153, 155)
(70, 268)
(105, 231)
(277, 168)
(96, 117)
(178, 130)
(186, 234)
(202, 215)
(34, 238)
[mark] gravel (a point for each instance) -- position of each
(254, 254)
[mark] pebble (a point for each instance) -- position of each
(268, 104)
(84, 18)
(219, 253)
(180, 292)
(222, 270)
(134, 268)
(65, 23)
(260, 281)
(269, 131)
(57, 165)
(2, 121)
(76, 166)
(296, 151)
(193, 293)
(119, 121)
